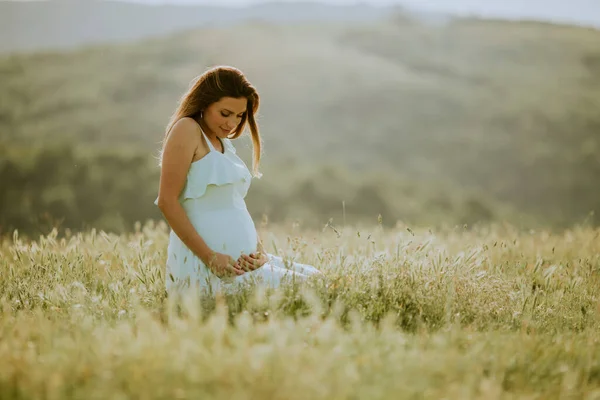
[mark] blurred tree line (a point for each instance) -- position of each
(54, 187)
(465, 122)
(59, 187)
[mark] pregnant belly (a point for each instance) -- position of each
(227, 231)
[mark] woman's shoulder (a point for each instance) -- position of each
(183, 138)
(185, 130)
(185, 124)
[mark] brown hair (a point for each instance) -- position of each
(210, 87)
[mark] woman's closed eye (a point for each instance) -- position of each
(226, 115)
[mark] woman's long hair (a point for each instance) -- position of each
(210, 87)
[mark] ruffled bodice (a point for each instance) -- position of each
(217, 169)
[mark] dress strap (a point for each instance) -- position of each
(228, 145)
(210, 145)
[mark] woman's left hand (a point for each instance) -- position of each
(252, 261)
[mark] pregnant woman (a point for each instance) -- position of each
(213, 243)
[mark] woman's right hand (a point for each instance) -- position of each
(224, 266)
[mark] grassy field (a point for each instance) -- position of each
(401, 313)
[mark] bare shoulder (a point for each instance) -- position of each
(181, 143)
(185, 141)
(179, 149)
(185, 129)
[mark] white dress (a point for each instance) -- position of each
(213, 198)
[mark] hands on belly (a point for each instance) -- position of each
(226, 267)
(253, 261)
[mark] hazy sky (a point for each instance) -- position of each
(585, 12)
(582, 11)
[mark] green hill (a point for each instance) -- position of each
(507, 111)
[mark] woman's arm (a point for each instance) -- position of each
(181, 144)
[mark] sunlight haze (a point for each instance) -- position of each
(585, 12)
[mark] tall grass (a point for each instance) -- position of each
(489, 312)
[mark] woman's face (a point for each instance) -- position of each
(224, 116)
